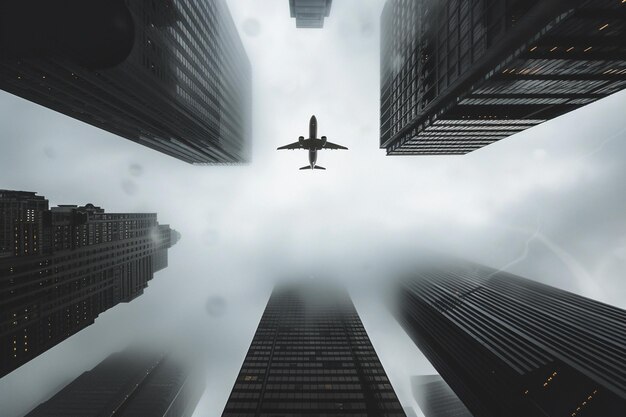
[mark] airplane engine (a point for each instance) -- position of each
(301, 139)
(324, 140)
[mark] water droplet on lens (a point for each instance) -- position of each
(135, 170)
(367, 29)
(216, 306)
(49, 152)
(129, 187)
(251, 27)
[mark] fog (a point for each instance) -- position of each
(547, 204)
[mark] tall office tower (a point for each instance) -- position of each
(460, 75)
(312, 357)
(509, 346)
(410, 412)
(21, 223)
(86, 262)
(184, 89)
(128, 384)
(436, 398)
(310, 14)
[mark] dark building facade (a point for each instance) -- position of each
(21, 223)
(311, 356)
(457, 75)
(509, 346)
(310, 14)
(70, 264)
(436, 398)
(128, 384)
(184, 89)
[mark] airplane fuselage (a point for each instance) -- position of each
(313, 128)
(312, 157)
(313, 135)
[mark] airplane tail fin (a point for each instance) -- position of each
(319, 167)
(306, 167)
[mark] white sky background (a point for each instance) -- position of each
(548, 204)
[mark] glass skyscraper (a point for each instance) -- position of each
(457, 75)
(311, 356)
(65, 266)
(184, 89)
(509, 346)
(132, 383)
(436, 398)
(310, 14)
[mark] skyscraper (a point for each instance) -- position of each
(436, 398)
(410, 412)
(310, 14)
(68, 265)
(21, 223)
(509, 346)
(459, 75)
(128, 384)
(311, 356)
(184, 89)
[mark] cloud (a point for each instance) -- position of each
(361, 222)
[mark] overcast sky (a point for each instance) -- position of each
(548, 204)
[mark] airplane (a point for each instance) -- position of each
(312, 144)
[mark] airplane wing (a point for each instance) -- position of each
(330, 145)
(291, 146)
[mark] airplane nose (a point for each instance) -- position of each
(313, 119)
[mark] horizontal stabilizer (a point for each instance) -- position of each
(306, 167)
(319, 167)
